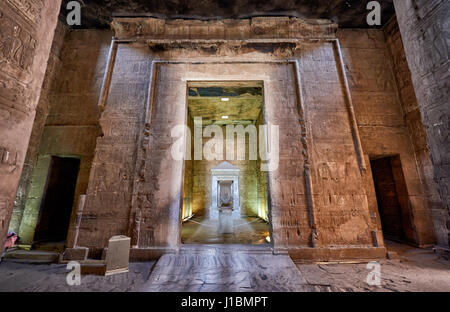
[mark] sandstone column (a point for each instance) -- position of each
(425, 29)
(26, 33)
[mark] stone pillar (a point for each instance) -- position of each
(425, 29)
(26, 33)
(42, 111)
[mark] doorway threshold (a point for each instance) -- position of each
(226, 248)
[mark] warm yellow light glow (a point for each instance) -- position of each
(268, 239)
(225, 99)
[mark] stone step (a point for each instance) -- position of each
(226, 249)
(52, 247)
(31, 256)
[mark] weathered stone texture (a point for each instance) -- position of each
(71, 118)
(341, 207)
(322, 194)
(253, 28)
(42, 110)
(317, 196)
(26, 33)
(413, 120)
(110, 191)
(381, 121)
(425, 27)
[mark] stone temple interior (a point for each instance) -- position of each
(236, 139)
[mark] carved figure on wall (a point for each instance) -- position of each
(28, 57)
(29, 8)
(17, 47)
(8, 161)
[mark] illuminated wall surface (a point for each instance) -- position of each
(315, 76)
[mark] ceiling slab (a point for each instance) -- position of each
(347, 13)
(239, 104)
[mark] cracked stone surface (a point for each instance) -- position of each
(415, 270)
(200, 268)
(18, 277)
(218, 270)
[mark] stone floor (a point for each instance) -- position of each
(19, 277)
(415, 270)
(241, 268)
(232, 268)
(247, 230)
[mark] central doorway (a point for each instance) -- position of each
(225, 190)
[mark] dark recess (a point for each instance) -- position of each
(347, 13)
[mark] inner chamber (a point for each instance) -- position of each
(225, 191)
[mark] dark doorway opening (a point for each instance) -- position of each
(392, 198)
(57, 202)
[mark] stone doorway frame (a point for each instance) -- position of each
(223, 175)
(175, 241)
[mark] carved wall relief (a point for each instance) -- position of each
(31, 9)
(9, 161)
(17, 44)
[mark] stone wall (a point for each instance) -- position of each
(42, 110)
(316, 196)
(26, 34)
(425, 27)
(115, 168)
(69, 125)
(413, 119)
(341, 215)
(322, 195)
(382, 123)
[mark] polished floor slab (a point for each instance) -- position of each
(217, 269)
(247, 230)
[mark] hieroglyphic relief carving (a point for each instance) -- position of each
(31, 9)
(17, 50)
(11, 91)
(9, 160)
(306, 157)
(135, 221)
(17, 46)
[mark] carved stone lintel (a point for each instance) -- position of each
(254, 28)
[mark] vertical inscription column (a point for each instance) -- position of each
(340, 202)
(425, 29)
(289, 198)
(26, 34)
(109, 195)
(159, 193)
